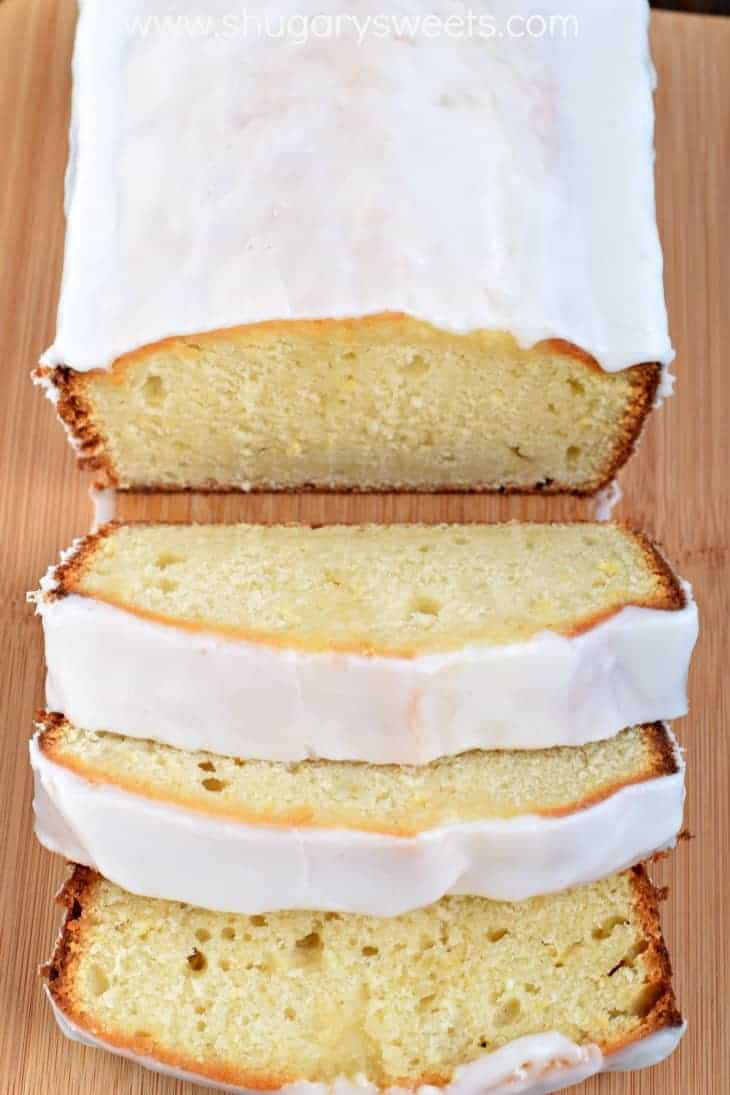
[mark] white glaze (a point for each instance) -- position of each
(146, 846)
(605, 501)
(499, 183)
(534, 1065)
(103, 506)
(109, 669)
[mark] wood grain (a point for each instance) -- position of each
(676, 488)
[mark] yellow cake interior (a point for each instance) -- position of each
(314, 996)
(387, 402)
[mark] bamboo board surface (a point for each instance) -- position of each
(676, 488)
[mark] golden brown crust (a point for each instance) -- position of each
(660, 1005)
(661, 761)
(69, 573)
(673, 594)
(75, 893)
(645, 381)
(669, 596)
(659, 1010)
(662, 750)
(76, 411)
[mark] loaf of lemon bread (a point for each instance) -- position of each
(359, 267)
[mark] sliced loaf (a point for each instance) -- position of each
(353, 837)
(468, 995)
(388, 644)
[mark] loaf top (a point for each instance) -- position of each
(465, 169)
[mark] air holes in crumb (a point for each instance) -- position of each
(289, 1013)
(258, 921)
(309, 942)
(153, 390)
(167, 559)
(572, 453)
(518, 452)
(425, 1002)
(167, 585)
(224, 964)
(496, 934)
(532, 989)
(425, 606)
(202, 935)
(228, 933)
(206, 766)
(214, 784)
(576, 387)
(370, 952)
(197, 961)
(99, 981)
(417, 366)
(633, 952)
(646, 1000)
(201, 1025)
(142, 1034)
(200, 1009)
(349, 355)
(508, 1013)
(606, 929)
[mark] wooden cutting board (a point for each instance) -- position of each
(676, 488)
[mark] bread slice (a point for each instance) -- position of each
(348, 836)
(548, 990)
(389, 644)
(398, 590)
(386, 403)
